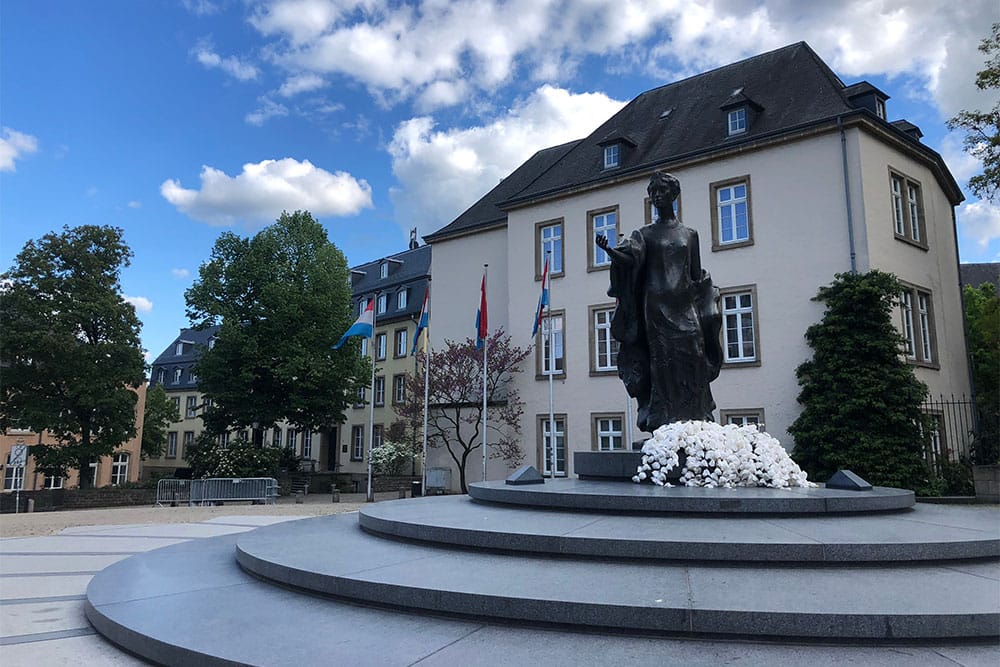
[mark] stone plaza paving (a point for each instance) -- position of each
(43, 580)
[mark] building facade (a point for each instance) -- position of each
(789, 177)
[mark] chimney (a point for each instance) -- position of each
(413, 239)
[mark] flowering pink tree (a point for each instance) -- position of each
(455, 418)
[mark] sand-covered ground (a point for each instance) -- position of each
(49, 523)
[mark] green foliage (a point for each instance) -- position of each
(982, 317)
(393, 458)
(158, 413)
(982, 129)
(239, 458)
(70, 346)
(861, 401)
(282, 299)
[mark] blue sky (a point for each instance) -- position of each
(177, 120)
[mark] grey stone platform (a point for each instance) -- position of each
(618, 496)
(923, 533)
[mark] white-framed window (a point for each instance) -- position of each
(54, 482)
(188, 441)
(176, 400)
(360, 399)
(612, 156)
(550, 240)
(907, 209)
(276, 437)
(119, 469)
(551, 350)
(742, 416)
(192, 377)
(179, 348)
(364, 347)
(13, 476)
(172, 444)
(399, 344)
(560, 444)
(380, 390)
(161, 376)
(377, 433)
(917, 309)
(177, 375)
(211, 342)
(399, 389)
(382, 304)
(380, 340)
(291, 440)
(608, 433)
(383, 270)
(357, 443)
(732, 213)
(604, 224)
(739, 327)
(401, 298)
(605, 348)
(307, 444)
(880, 108)
(737, 121)
(192, 407)
(93, 466)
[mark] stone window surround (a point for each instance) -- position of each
(540, 346)
(540, 443)
(915, 291)
(726, 413)
(592, 346)
(594, 417)
(755, 306)
(713, 190)
(591, 234)
(540, 256)
(399, 351)
(907, 235)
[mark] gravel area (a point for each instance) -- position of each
(49, 523)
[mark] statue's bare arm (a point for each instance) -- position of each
(615, 254)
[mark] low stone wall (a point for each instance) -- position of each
(383, 484)
(56, 499)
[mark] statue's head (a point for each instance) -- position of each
(663, 184)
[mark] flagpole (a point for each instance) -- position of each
(427, 386)
(486, 345)
(552, 372)
(369, 495)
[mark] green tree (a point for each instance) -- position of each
(236, 458)
(455, 418)
(982, 129)
(281, 298)
(70, 347)
(982, 316)
(861, 401)
(158, 413)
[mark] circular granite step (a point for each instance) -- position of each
(334, 556)
(577, 494)
(923, 533)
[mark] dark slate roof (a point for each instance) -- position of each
(863, 88)
(791, 85)
(485, 213)
(194, 340)
(409, 269)
(977, 274)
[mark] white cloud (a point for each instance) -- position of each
(141, 303)
(201, 7)
(268, 109)
(980, 222)
(962, 165)
(134, 204)
(15, 145)
(301, 83)
(232, 65)
(444, 171)
(263, 190)
(91, 191)
(180, 273)
(420, 50)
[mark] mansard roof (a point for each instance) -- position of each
(408, 269)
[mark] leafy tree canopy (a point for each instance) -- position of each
(70, 347)
(455, 417)
(982, 129)
(982, 316)
(281, 298)
(861, 401)
(158, 413)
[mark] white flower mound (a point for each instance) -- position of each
(718, 455)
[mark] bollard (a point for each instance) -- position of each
(31, 504)
(335, 495)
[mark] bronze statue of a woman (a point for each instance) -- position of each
(668, 318)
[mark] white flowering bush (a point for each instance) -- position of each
(718, 455)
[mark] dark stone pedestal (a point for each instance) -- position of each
(619, 465)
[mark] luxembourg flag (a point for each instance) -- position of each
(362, 327)
(482, 319)
(543, 299)
(421, 323)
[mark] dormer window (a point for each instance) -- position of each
(401, 299)
(382, 303)
(383, 270)
(612, 156)
(880, 108)
(211, 343)
(177, 375)
(738, 121)
(179, 348)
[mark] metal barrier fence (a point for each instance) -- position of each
(956, 419)
(213, 490)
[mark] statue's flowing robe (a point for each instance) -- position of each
(666, 368)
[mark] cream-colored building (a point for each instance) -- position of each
(788, 176)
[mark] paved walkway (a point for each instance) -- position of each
(43, 579)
